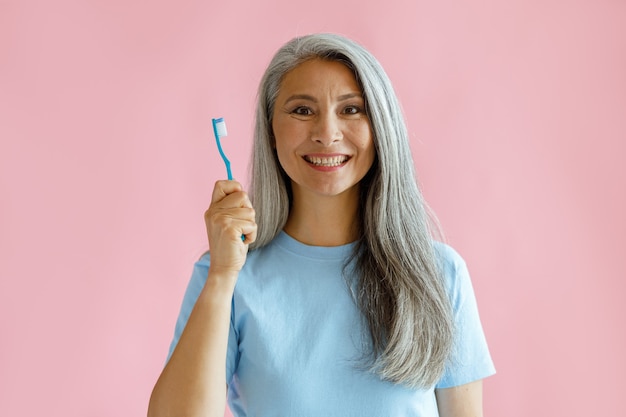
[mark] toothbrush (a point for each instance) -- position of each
(219, 130)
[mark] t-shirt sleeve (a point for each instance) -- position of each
(470, 359)
(194, 288)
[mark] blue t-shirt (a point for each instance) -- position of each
(297, 339)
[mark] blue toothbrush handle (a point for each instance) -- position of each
(229, 173)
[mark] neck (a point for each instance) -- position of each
(322, 220)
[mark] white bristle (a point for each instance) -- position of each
(221, 127)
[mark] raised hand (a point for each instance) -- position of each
(229, 217)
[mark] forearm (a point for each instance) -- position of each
(193, 383)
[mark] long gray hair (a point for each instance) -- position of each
(401, 292)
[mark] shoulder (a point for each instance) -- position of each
(450, 261)
(201, 266)
(454, 272)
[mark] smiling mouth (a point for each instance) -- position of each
(332, 161)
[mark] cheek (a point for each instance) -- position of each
(365, 140)
(284, 132)
(284, 152)
(367, 146)
(280, 152)
(288, 138)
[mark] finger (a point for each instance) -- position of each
(231, 219)
(249, 232)
(234, 229)
(238, 199)
(224, 188)
(235, 213)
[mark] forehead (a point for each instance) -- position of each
(320, 74)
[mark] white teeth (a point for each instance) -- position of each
(326, 162)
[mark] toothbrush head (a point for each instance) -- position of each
(220, 127)
(219, 130)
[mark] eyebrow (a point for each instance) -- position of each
(313, 99)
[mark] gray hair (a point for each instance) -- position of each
(401, 292)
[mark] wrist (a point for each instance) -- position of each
(221, 282)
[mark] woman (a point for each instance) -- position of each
(344, 305)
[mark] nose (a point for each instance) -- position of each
(327, 129)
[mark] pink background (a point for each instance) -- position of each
(517, 113)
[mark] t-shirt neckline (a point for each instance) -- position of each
(319, 252)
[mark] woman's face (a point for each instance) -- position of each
(323, 137)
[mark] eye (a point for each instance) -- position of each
(352, 110)
(302, 111)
